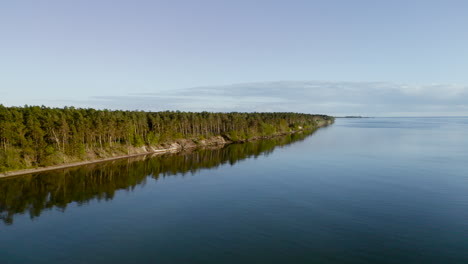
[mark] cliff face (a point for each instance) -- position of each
(182, 144)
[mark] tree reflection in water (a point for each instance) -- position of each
(56, 189)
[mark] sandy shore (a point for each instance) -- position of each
(81, 163)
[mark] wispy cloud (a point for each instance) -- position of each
(336, 98)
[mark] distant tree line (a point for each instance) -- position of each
(34, 136)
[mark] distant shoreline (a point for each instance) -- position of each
(353, 117)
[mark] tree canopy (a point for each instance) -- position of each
(34, 136)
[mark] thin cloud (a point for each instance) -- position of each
(335, 98)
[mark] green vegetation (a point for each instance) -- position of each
(35, 193)
(34, 136)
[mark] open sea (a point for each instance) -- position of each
(371, 190)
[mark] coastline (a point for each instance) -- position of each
(174, 147)
(70, 165)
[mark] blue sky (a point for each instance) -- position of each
(336, 57)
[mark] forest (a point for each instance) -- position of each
(37, 136)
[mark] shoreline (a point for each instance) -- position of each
(174, 147)
(82, 163)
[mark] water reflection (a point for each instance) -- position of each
(38, 192)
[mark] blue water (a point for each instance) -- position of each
(379, 190)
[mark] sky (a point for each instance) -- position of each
(338, 57)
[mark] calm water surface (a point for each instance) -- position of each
(383, 190)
